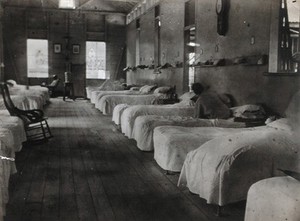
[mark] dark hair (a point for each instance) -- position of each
(54, 77)
(197, 88)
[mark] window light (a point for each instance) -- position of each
(71, 4)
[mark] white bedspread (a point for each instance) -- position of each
(173, 143)
(144, 126)
(31, 91)
(117, 113)
(108, 102)
(20, 102)
(97, 95)
(16, 126)
(274, 199)
(6, 167)
(222, 169)
(131, 113)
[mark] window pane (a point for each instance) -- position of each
(95, 60)
(67, 4)
(37, 58)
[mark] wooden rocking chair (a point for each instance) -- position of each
(36, 126)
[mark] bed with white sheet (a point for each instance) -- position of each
(97, 95)
(148, 95)
(107, 85)
(172, 143)
(35, 91)
(20, 102)
(130, 114)
(126, 114)
(7, 167)
(222, 169)
(16, 126)
(274, 199)
(144, 126)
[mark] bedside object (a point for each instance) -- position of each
(68, 91)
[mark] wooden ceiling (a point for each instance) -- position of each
(118, 6)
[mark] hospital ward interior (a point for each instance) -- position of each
(149, 110)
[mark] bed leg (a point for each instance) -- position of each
(219, 211)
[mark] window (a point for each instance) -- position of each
(157, 36)
(137, 42)
(284, 48)
(37, 58)
(95, 60)
(71, 4)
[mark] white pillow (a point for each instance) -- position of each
(187, 96)
(11, 82)
(147, 89)
(162, 90)
(142, 88)
(134, 89)
(248, 111)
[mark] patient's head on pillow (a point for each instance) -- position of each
(293, 111)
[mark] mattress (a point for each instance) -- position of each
(223, 169)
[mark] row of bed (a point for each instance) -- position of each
(12, 132)
(217, 159)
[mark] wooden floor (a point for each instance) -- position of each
(89, 171)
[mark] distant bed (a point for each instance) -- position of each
(146, 97)
(128, 114)
(107, 85)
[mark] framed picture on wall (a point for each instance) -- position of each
(75, 49)
(57, 48)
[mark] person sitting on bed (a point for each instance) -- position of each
(197, 88)
(209, 105)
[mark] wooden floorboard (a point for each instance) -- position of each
(89, 171)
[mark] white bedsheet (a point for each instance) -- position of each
(16, 126)
(274, 199)
(223, 169)
(6, 167)
(173, 143)
(131, 113)
(108, 102)
(20, 102)
(144, 126)
(97, 95)
(117, 113)
(34, 91)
